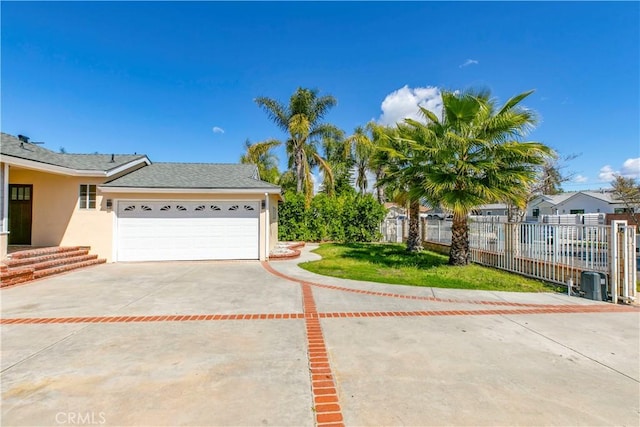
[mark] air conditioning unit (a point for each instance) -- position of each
(593, 285)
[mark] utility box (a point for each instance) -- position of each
(594, 285)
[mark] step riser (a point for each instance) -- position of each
(28, 265)
(26, 262)
(31, 253)
(16, 277)
(62, 262)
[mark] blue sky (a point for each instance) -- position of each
(158, 77)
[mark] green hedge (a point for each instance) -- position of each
(347, 218)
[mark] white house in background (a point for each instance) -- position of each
(581, 202)
(491, 209)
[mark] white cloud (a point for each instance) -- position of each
(607, 173)
(217, 129)
(580, 178)
(403, 103)
(631, 168)
(469, 62)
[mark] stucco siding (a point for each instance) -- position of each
(56, 218)
(273, 218)
(58, 221)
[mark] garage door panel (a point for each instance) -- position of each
(187, 230)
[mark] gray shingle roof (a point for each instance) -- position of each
(12, 146)
(605, 196)
(193, 175)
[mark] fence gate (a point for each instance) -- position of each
(623, 266)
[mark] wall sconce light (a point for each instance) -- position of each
(109, 203)
(263, 204)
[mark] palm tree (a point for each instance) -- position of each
(301, 119)
(380, 158)
(362, 150)
(260, 154)
(474, 155)
(401, 180)
(337, 154)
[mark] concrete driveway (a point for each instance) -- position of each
(242, 343)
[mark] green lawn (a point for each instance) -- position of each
(391, 263)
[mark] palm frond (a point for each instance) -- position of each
(277, 112)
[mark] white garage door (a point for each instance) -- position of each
(181, 230)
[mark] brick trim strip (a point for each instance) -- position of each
(273, 271)
(568, 310)
(152, 318)
(311, 313)
(323, 387)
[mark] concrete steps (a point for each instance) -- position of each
(27, 265)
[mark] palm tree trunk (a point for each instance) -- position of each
(299, 172)
(459, 253)
(414, 243)
(379, 188)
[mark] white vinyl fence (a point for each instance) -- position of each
(556, 253)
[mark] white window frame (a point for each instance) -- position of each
(86, 199)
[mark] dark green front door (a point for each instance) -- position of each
(20, 197)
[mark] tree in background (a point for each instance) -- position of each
(628, 191)
(474, 155)
(301, 119)
(380, 135)
(361, 150)
(549, 180)
(260, 154)
(403, 178)
(337, 155)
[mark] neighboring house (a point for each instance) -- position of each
(491, 209)
(580, 202)
(127, 208)
(394, 211)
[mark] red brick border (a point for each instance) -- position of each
(312, 314)
(323, 387)
(151, 318)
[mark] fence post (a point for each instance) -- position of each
(614, 273)
(510, 244)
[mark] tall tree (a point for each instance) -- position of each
(474, 155)
(260, 154)
(628, 191)
(402, 179)
(302, 119)
(362, 150)
(336, 153)
(380, 159)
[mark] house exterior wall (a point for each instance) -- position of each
(56, 218)
(491, 212)
(544, 207)
(273, 219)
(584, 202)
(58, 221)
(4, 225)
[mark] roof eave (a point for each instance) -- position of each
(164, 190)
(47, 167)
(62, 170)
(128, 165)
